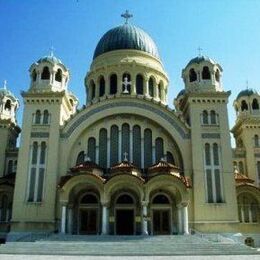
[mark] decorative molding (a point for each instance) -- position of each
(40, 134)
(94, 111)
(210, 136)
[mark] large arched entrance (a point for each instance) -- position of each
(125, 211)
(88, 214)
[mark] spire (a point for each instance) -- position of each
(52, 51)
(5, 84)
(199, 51)
(126, 15)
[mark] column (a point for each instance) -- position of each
(97, 154)
(63, 219)
(104, 219)
(155, 90)
(153, 155)
(144, 218)
(120, 144)
(70, 222)
(119, 84)
(107, 86)
(180, 229)
(146, 86)
(185, 220)
(131, 146)
(108, 151)
(133, 85)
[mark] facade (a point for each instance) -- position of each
(126, 163)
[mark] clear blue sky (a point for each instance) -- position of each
(227, 30)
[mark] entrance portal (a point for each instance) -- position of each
(125, 222)
(161, 222)
(88, 221)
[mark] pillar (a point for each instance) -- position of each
(133, 85)
(156, 91)
(131, 146)
(63, 219)
(70, 220)
(97, 154)
(108, 152)
(153, 155)
(180, 229)
(104, 219)
(144, 218)
(146, 86)
(185, 220)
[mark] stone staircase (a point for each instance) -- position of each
(127, 246)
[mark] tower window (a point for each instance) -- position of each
(244, 105)
(255, 104)
(139, 84)
(256, 141)
(45, 73)
(92, 90)
(34, 75)
(8, 105)
(192, 75)
(113, 84)
(205, 118)
(217, 76)
(205, 73)
(45, 117)
(58, 75)
(101, 86)
(213, 117)
(38, 117)
(151, 84)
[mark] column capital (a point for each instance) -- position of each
(145, 203)
(105, 203)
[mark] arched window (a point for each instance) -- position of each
(10, 167)
(248, 208)
(170, 158)
(205, 73)
(38, 117)
(255, 104)
(213, 117)
(137, 146)
(34, 152)
(148, 147)
(89, 199)
(241, 167)
(103, 148)
(92, 149)
(125, 140)
(205, 118)
(80, 158)
(113, 84)
(160, 90)
(34, 75)
(125, 199)
(160, 199)
(127, 77)
(8, 105)
(207, 154)
(102, 86)
(139, 84)
(256, 141)
(45, 73)
(45, 117)
(43, 153)
(93, 89)
(244, 105)
(114, 136)
(215, 154)
(159, 149)
(192, 75)
(4, 204)
(217, 76)
(151, 84)
(58, 75)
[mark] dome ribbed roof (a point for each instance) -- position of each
(246, 93)
(7, 93)
(126, 36)
(51, 59)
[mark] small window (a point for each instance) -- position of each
(45, 117)
(151, 84)
(213, 117)
(102, 87)
(125, 199)
(160, 199)
(45, 73)
(92, 89)
(244, 105)
(58, 75)
(207, 155)
(38, 117)
(217, 76)
(256, 139)
(139, 85)
(192, 75)
(205, 119)
(205, 73)
(113, 84)
(34, 75)
(43, 153)
(255, 105)
(8, 105)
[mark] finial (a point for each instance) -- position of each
(125, 157)
(126, 15)
(5, 84)
(247, 84)
(200, 51)
(52, 51)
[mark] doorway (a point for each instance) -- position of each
(88, 221)
(125, 222)
(161, 222)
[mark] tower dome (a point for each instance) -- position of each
(124, 37)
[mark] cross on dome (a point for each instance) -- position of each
(127, 16)
(200, 51)
(5, 84)
(52, 51)
(125, 84)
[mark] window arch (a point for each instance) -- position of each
(45, 73)
(192, 75)
(205, 118)
(128, 87)
(213, 117)
(58, 75)
(159, 149)
(113, 84)
(102, 86)
(148, 147)
(160, 199)
(38, 117)
(8, 105)
(139, 84)
(205, 73)
(80, 158)
(43, 153)
(125, 199)
(89, 198)
(244, 105)
(103, 148)
(256, 141)
(114, 140)
(34, 76)
(92, 89)
(45, 117)
(255, 104)
(151, 85)
(92, 149)
(217, 75)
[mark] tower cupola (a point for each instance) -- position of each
(8, 104)
(202, 74)
(48, 74)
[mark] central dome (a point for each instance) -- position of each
(124, 37)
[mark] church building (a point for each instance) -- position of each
(126, 163)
